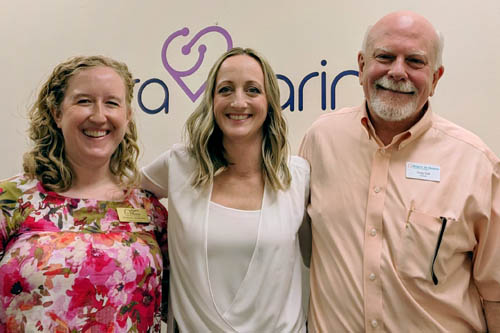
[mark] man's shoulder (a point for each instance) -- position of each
(463, 137)
(337, 118)
(333, 125)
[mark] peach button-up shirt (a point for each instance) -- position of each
(406, 237)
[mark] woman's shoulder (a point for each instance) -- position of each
(300, 171)
(144, 199)
(142, 195)
(18, 184)
(299, 164)
(18, 190)
(180, 159)
(178, 150)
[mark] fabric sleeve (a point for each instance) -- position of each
(304, 147)
(305, 151)
(160, 219)
(155, 175)
(303, 169)
(9, 194)
(305, 237)
(307, 188)
(487, 254)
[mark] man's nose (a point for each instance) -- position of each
(398, 69)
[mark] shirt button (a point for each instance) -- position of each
(376, 189)
(372, 277)
(374, 323)
(373, 232)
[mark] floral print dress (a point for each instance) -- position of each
(71, 265)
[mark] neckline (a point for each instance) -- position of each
(244, 211)
(222, 316)
(50, 193)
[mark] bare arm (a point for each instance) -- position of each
(492, 314)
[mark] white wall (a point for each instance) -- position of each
(295, 36)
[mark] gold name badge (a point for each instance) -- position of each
(138, 215)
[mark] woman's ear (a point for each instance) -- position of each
(129, 113)
(56, 114)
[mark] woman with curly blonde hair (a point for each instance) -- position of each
(47, 161)
(78, 241)
(237, 203)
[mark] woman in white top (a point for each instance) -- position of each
(236, 204)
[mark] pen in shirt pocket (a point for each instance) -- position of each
(412, 209)
(444, 221)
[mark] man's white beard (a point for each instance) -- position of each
(392, 109)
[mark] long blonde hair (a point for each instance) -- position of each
(204, 138)
(46, 161)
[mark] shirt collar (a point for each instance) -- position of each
(402, 139)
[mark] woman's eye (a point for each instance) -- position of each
(83, 101)
(224, 89)
(113, 103)
(254, 90)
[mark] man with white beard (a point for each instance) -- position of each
(405, 205)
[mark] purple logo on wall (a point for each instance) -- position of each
(195, 92)
(186, 50)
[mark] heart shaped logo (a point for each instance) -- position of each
(186, 50)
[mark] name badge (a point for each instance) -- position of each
(138, 215)
(423, 171)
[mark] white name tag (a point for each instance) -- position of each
(423, 171)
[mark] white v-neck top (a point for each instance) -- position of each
(271, 297)
(231, 239)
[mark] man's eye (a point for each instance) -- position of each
(384, 57)
(415, 62)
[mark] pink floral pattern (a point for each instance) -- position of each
(70, 265)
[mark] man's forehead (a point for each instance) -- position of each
(405, 21)
(391, 39)
(403, 32)
(403, 27)
(408, 52)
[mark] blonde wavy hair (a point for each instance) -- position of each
(204, 138)
(46, 161)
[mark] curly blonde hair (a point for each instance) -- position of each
(204, 137)
(46, 161)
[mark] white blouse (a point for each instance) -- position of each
(232, 235)
(271, 297)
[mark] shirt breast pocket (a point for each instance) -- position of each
(426, 246)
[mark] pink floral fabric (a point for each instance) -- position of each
(70, 265)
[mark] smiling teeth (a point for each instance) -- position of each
(397, 90)
(238, 117)
(405, 87)
(95, 134)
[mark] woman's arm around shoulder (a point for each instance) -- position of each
(154, 176)
(302, 169)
